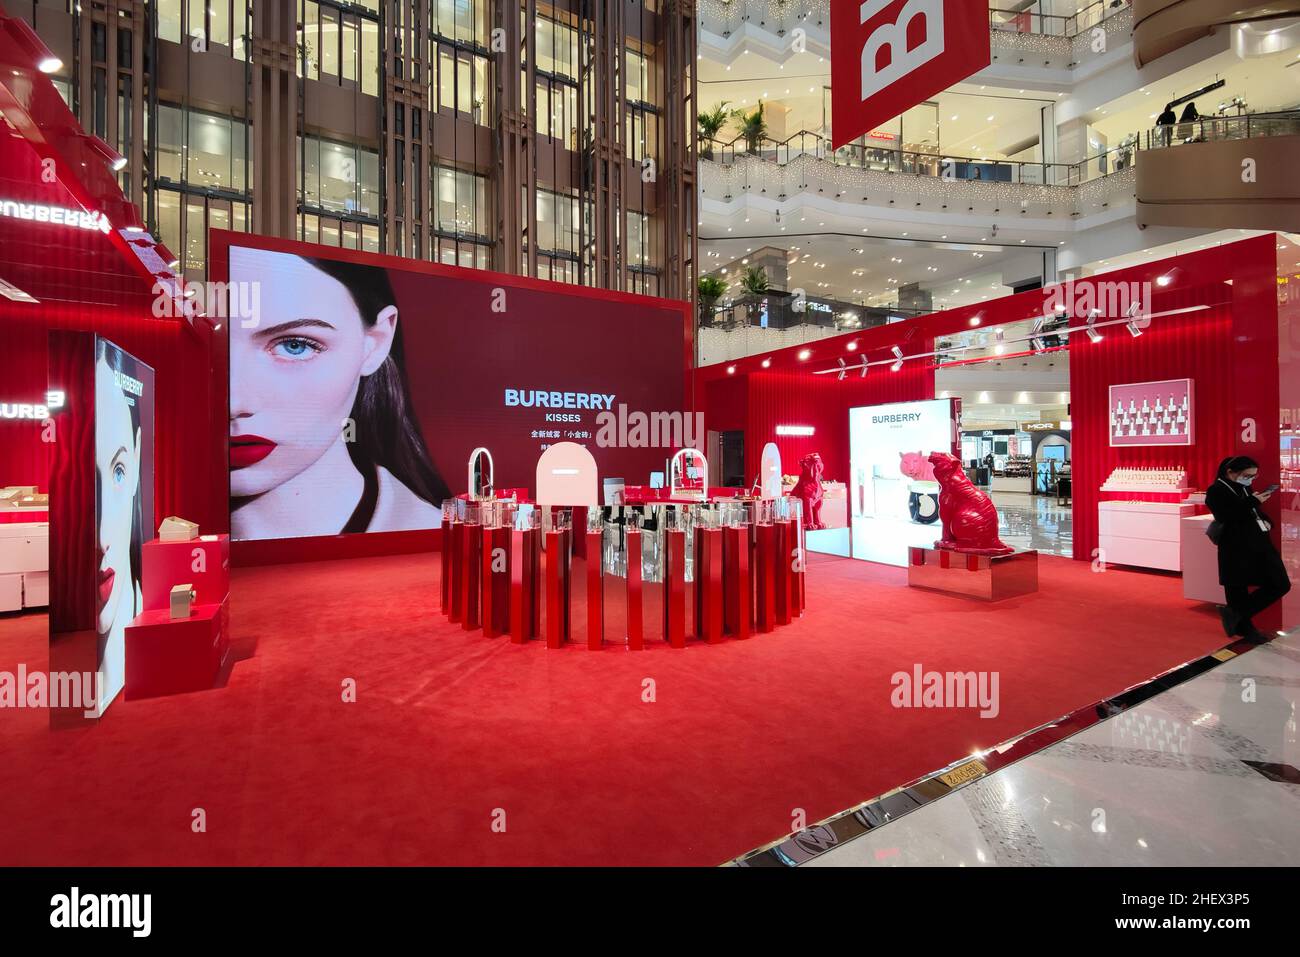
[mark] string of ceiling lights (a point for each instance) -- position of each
(1134, 321)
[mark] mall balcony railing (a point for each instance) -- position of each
(777, 309)
(940, 166)
(1033, 20)
(1215, 129)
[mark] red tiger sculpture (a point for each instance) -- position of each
(970, 519)
(809, 489)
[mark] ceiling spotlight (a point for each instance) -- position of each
(1093, 334)
(1164, 280)
(898, 353)
(731, 370)
(852, 347)
(1133, 329)
(974, 320)
(767, 363)
(864, 369)
(804, 354)
(1035, 339)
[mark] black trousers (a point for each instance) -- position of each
(1247, 604)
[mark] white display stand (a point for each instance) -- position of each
(1142, 534)
(1200, 561)
(24, 566)
(1010, 483)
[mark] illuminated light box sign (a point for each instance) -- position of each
(55, 215)
(32, 411)
(889, 55)
(803, 430)
(422, 364)
(1152, 413)
(101, 505)
(888, 446)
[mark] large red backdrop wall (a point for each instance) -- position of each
(189, 464)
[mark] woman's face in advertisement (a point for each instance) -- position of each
(117, 466)
(295, 367)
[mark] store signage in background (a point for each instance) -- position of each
(1046, 427)
(32, 411)
(889, 55)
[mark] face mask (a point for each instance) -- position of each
(1246, 480)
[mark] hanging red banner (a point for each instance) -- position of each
(889, 55)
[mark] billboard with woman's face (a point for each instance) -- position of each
(123, 499)
(359, 386)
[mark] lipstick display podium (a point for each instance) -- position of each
(166, 655)
(655, 569)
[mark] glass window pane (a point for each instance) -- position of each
(219, 22)
(170, 141)
(350, 49)
(209, 151)
(239, 29)
(169, 20)
(196, 246)
(310, 39)
(368, 175)
(169, 220)
(329, 42)
(195, 24)
(370, 57)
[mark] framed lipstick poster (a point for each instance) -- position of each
(1152, 413)
(101, 506)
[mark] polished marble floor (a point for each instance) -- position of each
(1035, 521)
(1204, 774)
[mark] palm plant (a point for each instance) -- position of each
(753, 127)
(710, 289)
(711, 123)
(754, 282)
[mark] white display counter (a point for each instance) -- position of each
(1200, 561)
(24, 566)
(1142, 534)
(1012, 483)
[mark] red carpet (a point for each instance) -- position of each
(449, 726)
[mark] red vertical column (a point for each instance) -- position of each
(675, 587)
(635, 615)
(737, 582)
(764, 577)
(708, 584)
(557, 588)
(444, 559)
(595, 592)
(496, 581)
(524, 599)
(798, 559)
(781, 569)
(471, 557)
(457, 610)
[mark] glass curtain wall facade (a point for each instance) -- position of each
(547, 139)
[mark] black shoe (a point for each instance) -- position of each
(1231, 620)
(1250, 633)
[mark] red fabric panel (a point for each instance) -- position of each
(189, 467)
(1196, 346)
(788, 398)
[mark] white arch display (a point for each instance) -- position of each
(769, 472)
(677, 472)
(566, 476)
(479, 489)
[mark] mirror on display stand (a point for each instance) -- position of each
(480, 474)
(769, 472)
(688, 474)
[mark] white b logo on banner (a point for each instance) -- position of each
(894, 35)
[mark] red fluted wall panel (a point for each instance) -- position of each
(189, 466)
(823, 402)
(1196, 346)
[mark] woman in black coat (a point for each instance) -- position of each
(1246, 553)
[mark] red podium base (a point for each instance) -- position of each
(166, 656)
(203, 562)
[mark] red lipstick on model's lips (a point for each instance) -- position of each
(246, 450)
(106, 578)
